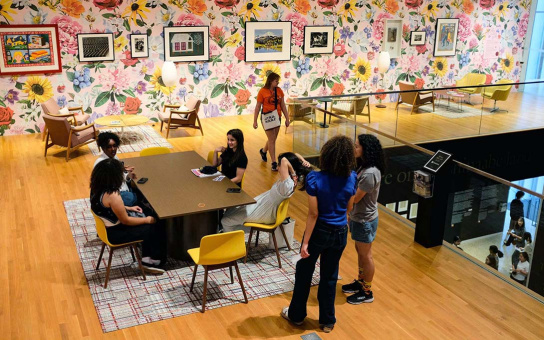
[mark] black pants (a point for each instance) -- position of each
(153, 236)
(518, 281)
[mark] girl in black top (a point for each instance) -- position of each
(233, 159)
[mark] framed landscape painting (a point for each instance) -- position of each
(95, 47)
(187, 43)
(318, 39)
(29, 49)
(268, 41)
(139, 47)
(446, 37)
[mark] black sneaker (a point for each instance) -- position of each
(274, 166)
(263, 155)
(353, 287)
(361, 297)
(153, 268)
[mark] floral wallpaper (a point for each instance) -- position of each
(228, 85)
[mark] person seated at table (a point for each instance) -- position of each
(233, 159)
(106, 202)
(293, 170)
(109, 143)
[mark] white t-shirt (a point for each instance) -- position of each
(522, 266)
(102, 157)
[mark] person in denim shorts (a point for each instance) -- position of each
(363, 222)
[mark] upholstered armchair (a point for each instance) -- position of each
(300, 109)
(351, 106)
(62, 133)
(51, 108)
(176, 116)
(471, 79)
(495, 93)
(416, 98)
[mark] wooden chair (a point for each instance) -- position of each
(471, 79)
(301, 110)
(175, 118)
(51, 108)
(103, 235)
(68, 136)
(416, 99)
(351, 106)
(216, 252)
(156, 150)
(270, 228)
(497, 93)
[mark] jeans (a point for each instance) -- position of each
(328, 241)
(129, 198)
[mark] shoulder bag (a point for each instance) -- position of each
(271, 120)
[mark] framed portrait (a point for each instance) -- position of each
(446, 37)
(187, 43)
(29, 49)
(95, 47)
(318, 39)
(392, 37)
(268, 41)
(139, 47)
(417, 38)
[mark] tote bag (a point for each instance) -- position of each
(271, 120)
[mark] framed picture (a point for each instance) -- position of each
(392, 37)
(318, 39)
(95, 47)
(446, 37)
(29, 49)
(139, 47)
(187, 43)
(403, 206)
(413, 210)
(268, 41)
(417, 38)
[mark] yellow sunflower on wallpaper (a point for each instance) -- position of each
(269, 68)
(136, 9)
(502, 9)
(158, 84)
(362, 69)
(38, 88)
(440, 66)
(430, 9)
(507, 63)
(251, 8)
(5, 9)
(347, 9)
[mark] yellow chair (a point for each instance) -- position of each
(270, 228)
(216, 252)
(156, 150)
(210, 159)
(497, 93)
(242, 181)
(471, 79)
(101, 231)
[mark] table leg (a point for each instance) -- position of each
(324, 124)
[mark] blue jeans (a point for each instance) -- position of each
(328, 241)
(129, 198)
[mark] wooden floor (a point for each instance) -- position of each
(420, 293)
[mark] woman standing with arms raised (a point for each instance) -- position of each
(271, 99)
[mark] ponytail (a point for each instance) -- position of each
(500, 254)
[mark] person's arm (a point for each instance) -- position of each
(304, 162)
(239, 175)
(487, 261)
(286, 169)
(358, 196)
(216, 159)
(115, 202)
(310, 224)
(256, 114)
(285, 113)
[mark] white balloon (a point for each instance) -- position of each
(169, 73)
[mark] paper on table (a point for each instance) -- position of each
(197, 173)
(115, 122)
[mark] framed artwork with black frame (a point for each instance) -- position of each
(318, 39)
(95, 47)
(392, 37)
(417, 38)
(186, 43)
(445, 41)
(139, 46)
(268, 41)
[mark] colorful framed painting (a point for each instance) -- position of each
(268, 41)
(417, 38)
(318, 39)
(95, 47)
(187, 43)
(446, 37)
(29, 49)
(139, 46)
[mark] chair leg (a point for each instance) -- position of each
(199, 125)
(231, 276)
(139, 259)
(44, 133)
(108, 269)
(205, 289)
(193, 280)
(167, 130)
(248, 244)
(285, 237)
(68, 154)
(100, 257)
(277, 250)
(132, 253)
(257, 239)
(162, 123)
(240, 280)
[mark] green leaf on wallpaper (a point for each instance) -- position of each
(153, 119)
(33, 7)
(26, 102)
(217, 90)
(164, 6)
(147, 77)
(149, 31)
(241, 85)
(126, 25)
(70, 76)
(330, 84)
(257, 71)
(140, 23)
(191, 69)
(412, 13)
(368, 6)
(77, 88)
(431, 19)
(2, 103)
(205, 101)
(121, 98)
(129, 92)
(337, 79)
(412, 79)
(401, 77)
(108, 15)
(422, 21)
(275, 6)
(30, 131)
(19, 86)
(37, 128)
(227, 14)
(89, 110)
(340, 21)
(316, 84)
(102, 99)
(196, 81)
(350, 20)
(327, 13)
(233, 90)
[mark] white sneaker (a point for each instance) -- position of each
(152, 269)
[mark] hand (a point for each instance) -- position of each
(306, 164)
(137, 209)
(304, 251)
(129, 168)
(132, 176)
(287, 123)
(220, 149)
(255, 125)
(151, 220)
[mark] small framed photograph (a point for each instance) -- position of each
(392, 37)
(268, 41)
(187, 43)
(413, 210)
(417, 38)
(95, 47)
(318, 39)
(391, 206)
(445, 41)
(403, 206)
(139, 47)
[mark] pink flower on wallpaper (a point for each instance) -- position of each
(229, 73)
(298, 22)
(188, 20)
(478, 61)
(326, 68)
(370, 55)
(465, 27)
(379, 25)
(339, 49)
(114, 78)
(514, 50)
(410, 64)
(128, 61)
(473, 43)
(523, 25)
(414, 4)
(327, 3)
(68, 30)
(240, 53)
(108, 5)
(487, 4)
(226, 3)
(214, 50)
(216, 33)
(421, 49)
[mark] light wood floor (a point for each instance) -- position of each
(420, 293)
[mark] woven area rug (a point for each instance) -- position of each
(451, 111)
(134, 138)
(130, 301)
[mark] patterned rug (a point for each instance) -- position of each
(452, 111)
(129, 301)
(134, 138)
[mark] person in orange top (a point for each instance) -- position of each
(266, 99)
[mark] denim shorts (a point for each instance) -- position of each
(363, 232)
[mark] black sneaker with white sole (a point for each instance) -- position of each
(263, 155)
(353, 287)
(361, 297)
